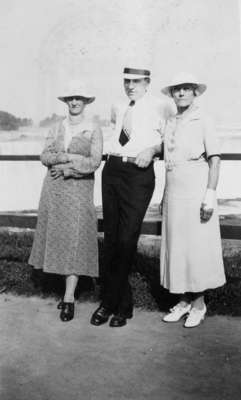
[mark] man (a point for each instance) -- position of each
(128, 182)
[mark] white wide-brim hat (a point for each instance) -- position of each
(184, 78)
(76, 88)
(136, 73)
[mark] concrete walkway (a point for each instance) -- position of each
(42, 358)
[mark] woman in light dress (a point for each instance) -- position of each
(191, 253)
(65, 240)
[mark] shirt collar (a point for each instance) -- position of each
(141, 100)
(193, 112)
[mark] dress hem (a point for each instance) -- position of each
(64, 273)
(194, 290)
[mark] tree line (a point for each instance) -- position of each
(55, 118)
(8, 122)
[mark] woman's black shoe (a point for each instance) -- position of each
(67, 312)
(60, 305)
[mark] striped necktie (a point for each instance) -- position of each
(126, 127)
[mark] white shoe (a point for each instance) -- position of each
(176, 313)
(195, 317)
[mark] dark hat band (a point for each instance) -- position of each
(137, 71)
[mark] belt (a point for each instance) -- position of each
(124, 159)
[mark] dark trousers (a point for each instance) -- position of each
(126, 194)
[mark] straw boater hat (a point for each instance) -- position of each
(184, 78)
(76, 88)
(134, 73)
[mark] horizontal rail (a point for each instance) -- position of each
(230, 226)
(27, 157)
(230, 229)
(34, 157)
(17, 157)
(231, 156)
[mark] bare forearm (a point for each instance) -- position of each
(213, 176)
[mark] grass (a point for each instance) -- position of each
(17, 277)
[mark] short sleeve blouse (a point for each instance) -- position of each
(192, 136)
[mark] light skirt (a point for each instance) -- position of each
(191, 252)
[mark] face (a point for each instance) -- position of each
(183, 95)
(76, 105)
(135, 88)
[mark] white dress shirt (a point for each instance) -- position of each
(149, 115)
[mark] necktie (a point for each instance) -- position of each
(126, 128)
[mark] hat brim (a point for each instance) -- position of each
(87, 100)
(201, 87)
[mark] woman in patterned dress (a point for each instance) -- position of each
(65, 240)
(191, 253)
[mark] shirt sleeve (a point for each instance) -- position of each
(166, 111)
(211, 140)
(113, 115)
(51, 155)
(79, 164)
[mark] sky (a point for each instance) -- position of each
(44, 44)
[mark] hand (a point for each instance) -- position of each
(56, 171)
(207, 206)
(144, 158)
(205, 213)
(63, 157)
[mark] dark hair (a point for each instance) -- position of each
(192, 85)
(82, 98)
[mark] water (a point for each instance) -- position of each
(21, 181)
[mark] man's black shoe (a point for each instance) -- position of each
(118, 320)
(100, 316)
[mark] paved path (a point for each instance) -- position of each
(42, 358)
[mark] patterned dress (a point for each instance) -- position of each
(65, 240)
(191, 253)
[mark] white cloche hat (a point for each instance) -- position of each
(76, 88)
(184, 78)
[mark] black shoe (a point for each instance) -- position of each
(128, 314)
(118, 320)
(67, 312)
(60, 305)
(100, 316)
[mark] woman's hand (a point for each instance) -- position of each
(56, 171)
(207, 206)
(205, 213)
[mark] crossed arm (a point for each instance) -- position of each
(73, 165)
